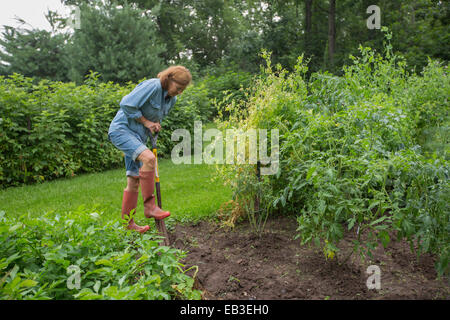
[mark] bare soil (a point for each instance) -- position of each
(239, 265)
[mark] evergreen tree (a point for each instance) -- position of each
(120, 43)
(33, 53)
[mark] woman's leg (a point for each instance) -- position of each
(129, 203)
(132, 184)
(147, 182)
(131, 146)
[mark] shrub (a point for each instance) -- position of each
(53, 129)
(350, 154)
(222, 89)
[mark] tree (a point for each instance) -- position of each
(33, 53)
(132, 39)
(120, 43)
(331, 32)
(308, 25)
(420, 30)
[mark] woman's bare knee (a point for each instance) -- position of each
(146, 156)
(148, 160)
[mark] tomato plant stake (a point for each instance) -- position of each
(258, 176)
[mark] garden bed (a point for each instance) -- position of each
(237, 264)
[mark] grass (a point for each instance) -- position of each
(187, 191)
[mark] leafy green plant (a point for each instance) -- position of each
(113, 263)
(351, 158)
(53, 129)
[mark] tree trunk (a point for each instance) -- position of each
(332, 31)
(308, 25)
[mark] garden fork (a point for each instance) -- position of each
(160, 224)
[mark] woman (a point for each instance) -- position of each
(140, 113)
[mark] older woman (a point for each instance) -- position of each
(140, 113)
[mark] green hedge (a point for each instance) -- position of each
(53, 129)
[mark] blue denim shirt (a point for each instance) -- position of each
(147, 99)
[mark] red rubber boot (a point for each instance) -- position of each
(129, 203)
(147, 182)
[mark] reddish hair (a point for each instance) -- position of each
(178, 74)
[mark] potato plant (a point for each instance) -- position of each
(41, 254)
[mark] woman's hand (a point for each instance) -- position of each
(152, 126)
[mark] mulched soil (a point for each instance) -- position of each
(238, 265)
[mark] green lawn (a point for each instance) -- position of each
(188, 192)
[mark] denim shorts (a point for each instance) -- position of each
(132, 146)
